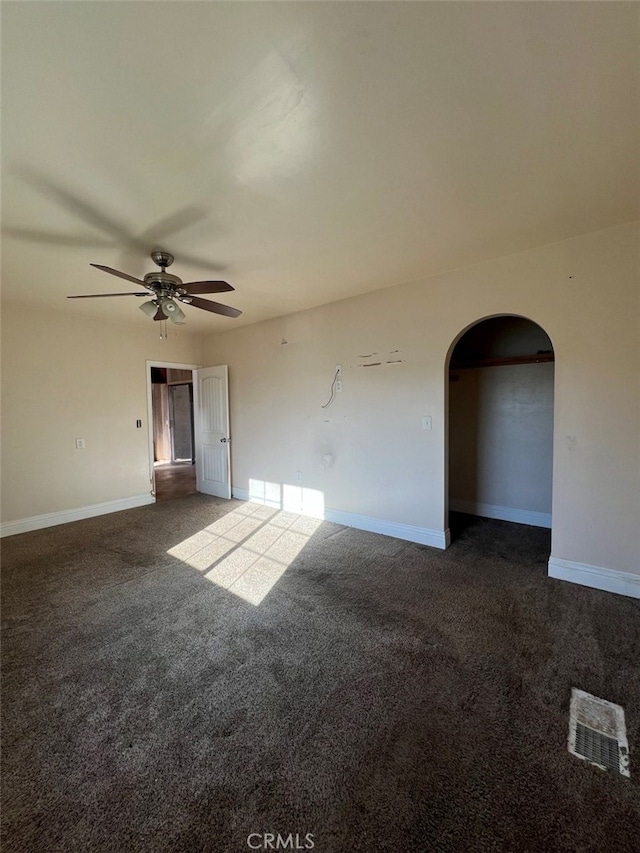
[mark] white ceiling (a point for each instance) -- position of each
(310, 150)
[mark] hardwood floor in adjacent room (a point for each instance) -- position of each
(174, 480)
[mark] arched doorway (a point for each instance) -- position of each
(500, 433)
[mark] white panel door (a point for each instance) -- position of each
(211, 408)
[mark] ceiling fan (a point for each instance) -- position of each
(168, 290)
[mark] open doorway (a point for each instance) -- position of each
(174, 472)
(501, 378)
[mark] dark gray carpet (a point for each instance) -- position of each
(384, 696)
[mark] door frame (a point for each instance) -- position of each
(172, 418)
(148, 365)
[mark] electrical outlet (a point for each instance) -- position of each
(339, 385)
(80, 445)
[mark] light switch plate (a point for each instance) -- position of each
(426, 422)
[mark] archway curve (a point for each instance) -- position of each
(537, 335)
(477, 322)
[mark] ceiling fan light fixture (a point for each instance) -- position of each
(172, 310)
(149, 308)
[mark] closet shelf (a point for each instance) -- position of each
(500, 362)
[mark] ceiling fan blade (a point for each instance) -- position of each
(51, 238)
(171, 224)
(118, 273)
(84, 210)
(200, 263)
(215, 307)
(101, 295)
(206, 286)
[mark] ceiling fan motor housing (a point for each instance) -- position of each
(162, 280)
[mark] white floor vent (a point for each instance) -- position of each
(597, 732)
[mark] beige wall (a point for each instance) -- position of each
(66, 378)
(584, 292)
(501, 438)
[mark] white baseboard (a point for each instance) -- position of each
(422, 535)
(503, 513)
(597, 577)
(50, 519)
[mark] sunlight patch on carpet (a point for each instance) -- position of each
(249, 549)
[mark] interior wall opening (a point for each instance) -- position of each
(174, 459)
(500, 458)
